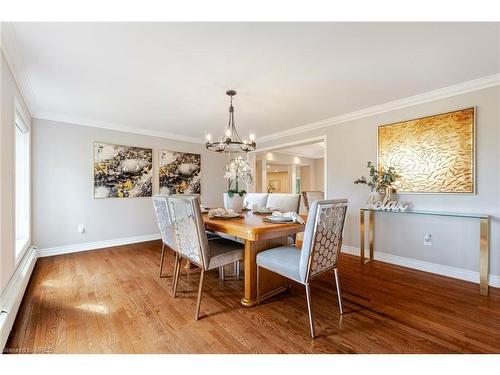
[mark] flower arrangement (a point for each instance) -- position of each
(238, 169)
(379, 179)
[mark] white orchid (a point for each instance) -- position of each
(238, 169)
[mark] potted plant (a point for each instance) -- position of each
(380, 181)
(238, 170)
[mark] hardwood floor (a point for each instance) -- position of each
(112, 301)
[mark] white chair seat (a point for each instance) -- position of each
(284, 260)
(224, 251)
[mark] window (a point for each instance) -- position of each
(22, 192)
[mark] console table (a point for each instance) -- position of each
(484, 241)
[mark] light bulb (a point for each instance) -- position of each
(228, 133)
(209, 138)
(252, 137)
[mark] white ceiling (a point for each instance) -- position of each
(172, 77)
(310, 150)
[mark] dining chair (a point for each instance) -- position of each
(193, 244)
(284, 202)
(311, 196)
(320, 251)
(167, 234)
(256, 199)
(164, 220)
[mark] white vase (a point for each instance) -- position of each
(234, 203)
(373, 197)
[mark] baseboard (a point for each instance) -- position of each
(59, 250)
(11, 298)
(457, 273)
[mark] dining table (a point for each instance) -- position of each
(258, 235)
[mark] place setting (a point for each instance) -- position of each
(282, 218)
(222, 214)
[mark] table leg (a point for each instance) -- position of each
(270, 283)
(362, 236)
(484, 248)
(371, 226)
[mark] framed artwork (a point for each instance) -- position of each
(434, 154)
(180, 173)
(122, 171)
(276, 184)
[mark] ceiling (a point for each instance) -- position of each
(172, 77)
(310, 150)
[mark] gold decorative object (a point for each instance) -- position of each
(433, 154)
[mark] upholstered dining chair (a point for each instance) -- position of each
(311, 196)
(193, 244)
(167, 234)
(256, 199)
(320, 250)
(284, 202)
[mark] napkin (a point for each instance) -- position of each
(293, 215)
(219, 212)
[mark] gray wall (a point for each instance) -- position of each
(9, 93)
(63, 185)
(455, 241)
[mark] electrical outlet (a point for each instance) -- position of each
(81, 228)
(427, 239)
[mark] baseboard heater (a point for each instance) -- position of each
(11, 298)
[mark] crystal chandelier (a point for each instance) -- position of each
(231, 141)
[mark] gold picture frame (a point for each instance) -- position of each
(432, 154)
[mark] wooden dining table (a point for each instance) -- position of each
(258, 235)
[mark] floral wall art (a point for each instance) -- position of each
(180, 173)
(122, 171)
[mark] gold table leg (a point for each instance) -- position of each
(362, 235)
(371, 226)
(371, 235)
(484, 248)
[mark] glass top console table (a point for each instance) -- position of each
(484, 242)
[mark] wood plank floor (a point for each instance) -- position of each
(112, 301)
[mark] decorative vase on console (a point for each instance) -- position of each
(237, 170)
(379, 181)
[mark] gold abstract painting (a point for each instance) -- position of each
(433, 154)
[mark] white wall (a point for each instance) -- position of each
(63, 185)
(9, 94)
(319, 168)
(455, 241)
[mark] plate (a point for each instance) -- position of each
(279, 219)
(226, 217)
(263, 211)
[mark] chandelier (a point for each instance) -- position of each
(231, 141)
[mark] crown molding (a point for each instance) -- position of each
(17, 67)
(442, 93)
(114, 126)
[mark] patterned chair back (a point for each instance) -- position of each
(192, 242)
(160, 204)
(323, 237)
